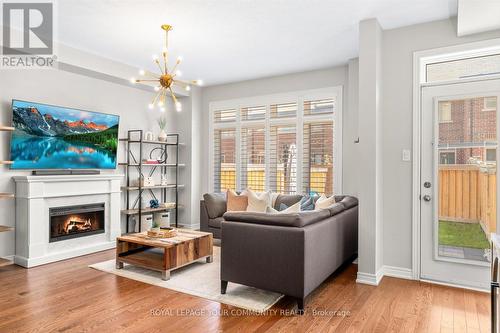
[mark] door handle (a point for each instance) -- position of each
(427, 198)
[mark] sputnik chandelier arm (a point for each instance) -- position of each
(166, 79)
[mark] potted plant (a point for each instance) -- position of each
(162, 123)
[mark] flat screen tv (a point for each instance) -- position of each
(54, 137)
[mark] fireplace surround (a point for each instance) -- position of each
(42, 200)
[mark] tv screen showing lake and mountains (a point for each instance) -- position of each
(53, 137)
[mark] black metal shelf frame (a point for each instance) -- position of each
(132, 161)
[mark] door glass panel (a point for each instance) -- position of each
(466, 162)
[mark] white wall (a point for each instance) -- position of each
(336, 76)
(66, 89)
(397, 80)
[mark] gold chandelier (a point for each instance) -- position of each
(166, 79)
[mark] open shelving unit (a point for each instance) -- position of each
(3, 195)
(135, 160)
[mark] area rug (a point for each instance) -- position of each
(199, 279)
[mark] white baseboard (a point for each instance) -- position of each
(371, 279)
(398, 272)
(392, 271)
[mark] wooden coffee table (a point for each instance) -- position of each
(164, 254)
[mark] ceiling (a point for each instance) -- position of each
(233, 40)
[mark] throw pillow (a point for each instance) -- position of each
(295, 208)
(324, 202)
(235, 202)
(258, 203)
(306, 203)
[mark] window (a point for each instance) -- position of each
(490, 103)
(285, 143)
(283, 159)
(318, 158)
(444, 112)
(253, 113)
(223, 116)
(321, 106)
(225, 160)
(253, 162)
(447, 157)
(463, 68)
(283, 110)
(491, 155)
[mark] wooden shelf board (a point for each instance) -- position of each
(4, 228)
(152, 142)
(6, 128)
(146, 210)
(135, 188)
(6, 195)
(168, 165)
(5, 262)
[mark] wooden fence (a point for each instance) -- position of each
(467, 193)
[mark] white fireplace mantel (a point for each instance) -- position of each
(35, 195)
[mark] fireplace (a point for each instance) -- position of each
(76, 221)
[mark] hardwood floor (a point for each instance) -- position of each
(70, 297)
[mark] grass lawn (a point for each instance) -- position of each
(462, 235)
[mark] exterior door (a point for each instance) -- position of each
(458, 174)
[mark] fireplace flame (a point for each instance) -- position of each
(77, 224)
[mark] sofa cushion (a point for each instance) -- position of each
(324, 202)
(287, 199)
(285, 220)
(295, 208)
(236, 202)
(216, 204)
(306, 203)
(258, 202)
(349, 201)
(336, 208)
(215, 223)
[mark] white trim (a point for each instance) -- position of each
(398, 272)
(371, 279)
(486, 289)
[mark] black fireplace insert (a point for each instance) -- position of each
(76, 221)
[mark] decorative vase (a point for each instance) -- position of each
(162, 136)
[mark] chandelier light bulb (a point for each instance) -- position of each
(142, 72)
(157, 88)
(178, 73)
(178, 106)
(162, 109)
(155, 57)
(188, 88)
(179, 59)
(151, 106)
(133, 80)
(199, 82)
(160, 103)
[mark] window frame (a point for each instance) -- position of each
(299, 97)
(485, 108)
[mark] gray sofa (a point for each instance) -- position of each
(290, 254)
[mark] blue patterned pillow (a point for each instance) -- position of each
(306, 203)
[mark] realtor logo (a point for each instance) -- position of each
(27, 35)
(28, 28)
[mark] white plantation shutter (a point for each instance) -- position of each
(317, 156)
(319, 106)
(283, 159)
(253, 113)
(224, 116)
(253, 164)
(224, 159)
(283, 110)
